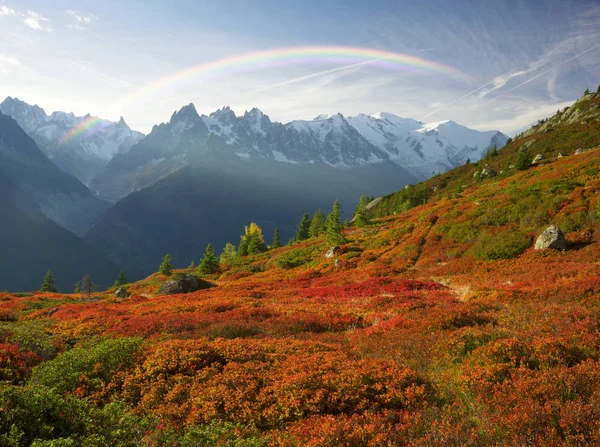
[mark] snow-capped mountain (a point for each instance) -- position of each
(334, 141)
(425, 147)
(80, 146)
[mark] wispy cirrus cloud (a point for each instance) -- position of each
(82, 20)
(35, 21)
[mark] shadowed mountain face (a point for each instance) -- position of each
(60, 196)
(79, 145)
(210, 201)
(32, 243)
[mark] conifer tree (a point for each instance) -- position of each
(276, 242)
(361, 217)
(121, 279)
(334, 227)
(243, 249)
(524, 159)
(317, 224)
(228, 254)
(252, 241)
(303, 231)
(166, 268)
(210, 263)
(48, 284)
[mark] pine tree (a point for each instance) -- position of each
(228, 254)
(598, 91)
(468, 162)
(587, 91)
(166, 268)
(317, 224)
(524, 159)
(243, 249)
(361, 217)
(303, 231)
(333, 231)
(121, 279)
(48, 284)
(210, 263)
(276, 242)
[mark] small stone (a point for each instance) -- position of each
(121, 293)
(332, 252)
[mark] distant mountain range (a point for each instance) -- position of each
(335, 141)
(79, 145)
(199, 179)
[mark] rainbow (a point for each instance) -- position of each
(295, 56)
(84, 129)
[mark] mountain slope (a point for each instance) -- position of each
(60, 196)
(336, 141)
(31, 244)
(93, 143)
(210, 201)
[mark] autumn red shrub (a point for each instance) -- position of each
(16, 362)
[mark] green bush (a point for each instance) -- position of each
(505, 245)
(294, 258)
(92, 365)
(32, 335)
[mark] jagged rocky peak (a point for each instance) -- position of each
(122, 122)
(187, 113)
(224, 115)
(28, 117)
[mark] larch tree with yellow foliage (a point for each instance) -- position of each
(252, 241)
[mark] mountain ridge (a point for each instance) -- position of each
(335, 140)
(82, 155)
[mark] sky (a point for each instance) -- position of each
(504, 64)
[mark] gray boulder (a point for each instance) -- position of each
(538, 159)
(121, 293)
(184, 284)
(580, 151)
(552, 237)
(488, 173)
(332, 252)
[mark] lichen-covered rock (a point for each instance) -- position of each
(184, 284)
(332, 252)
(538, 159)
(121, 293)
(552, 237)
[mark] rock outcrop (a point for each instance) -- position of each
(184, 284)
(551, 237)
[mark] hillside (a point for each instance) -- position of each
(438, 323)
(32, 243)
(60, 196)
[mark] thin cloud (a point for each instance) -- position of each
(538, 75)
(35, 21)
(81, 20)
(6, 11)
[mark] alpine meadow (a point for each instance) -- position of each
(181, 269)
